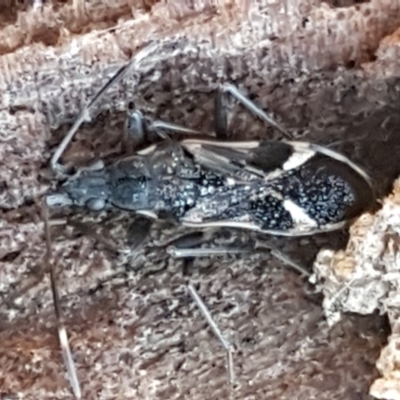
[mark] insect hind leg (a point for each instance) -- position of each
(191, 245)
(193, 248)
(221, 118)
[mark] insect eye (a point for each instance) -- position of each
(95, 204)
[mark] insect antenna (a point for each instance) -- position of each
(229, 348)
(62, 333)
(84, 114)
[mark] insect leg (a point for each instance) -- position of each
(229, 348)
(221, 115)
(177, 250)
(189, 240)
(134, 132)
(289, 262)
(62, 333)
(138, 128)
(158, 125)
(139, 231)
(190, 246)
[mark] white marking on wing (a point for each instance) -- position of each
(299, 216)
(298, 158)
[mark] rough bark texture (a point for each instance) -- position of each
(328, 71)
(364, 278)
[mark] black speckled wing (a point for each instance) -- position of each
(281, 188)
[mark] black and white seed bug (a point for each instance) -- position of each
(278, 188)
(286, 188)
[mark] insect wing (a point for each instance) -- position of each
(298, 188)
